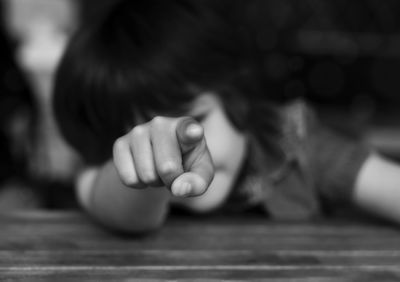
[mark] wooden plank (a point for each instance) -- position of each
(69, 247)
(365, 273)
(54, 238)
(190, 257)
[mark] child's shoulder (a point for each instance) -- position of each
(328, 160)
(298, 119)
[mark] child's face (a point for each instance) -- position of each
(227, 147)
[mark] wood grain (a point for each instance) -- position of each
(66, 246)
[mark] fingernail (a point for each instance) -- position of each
(194, 130)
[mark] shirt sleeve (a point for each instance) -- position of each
(335, 160)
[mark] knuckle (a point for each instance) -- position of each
(119, 144)
(119, 148)
(158, 120)
(148, 177)
(168, 168)
(128, 179)
(138, 131)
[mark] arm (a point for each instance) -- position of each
(164, 153)
(377, 187)
(349, 171)
(101, 192)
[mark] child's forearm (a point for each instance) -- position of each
(378, 187)
(113, 204)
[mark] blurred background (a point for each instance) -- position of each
(36, 166)
(341, 56)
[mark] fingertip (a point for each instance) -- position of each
(182, 189)
(189, 185)
(189, 131)
(194, 131)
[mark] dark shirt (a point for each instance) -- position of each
(318, 173)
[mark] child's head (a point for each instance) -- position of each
(147, 58)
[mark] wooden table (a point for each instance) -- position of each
(67, 246)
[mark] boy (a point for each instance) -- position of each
(173, 94)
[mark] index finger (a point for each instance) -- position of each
(189, 133)
(196, 160)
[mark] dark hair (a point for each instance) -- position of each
(145, 57)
